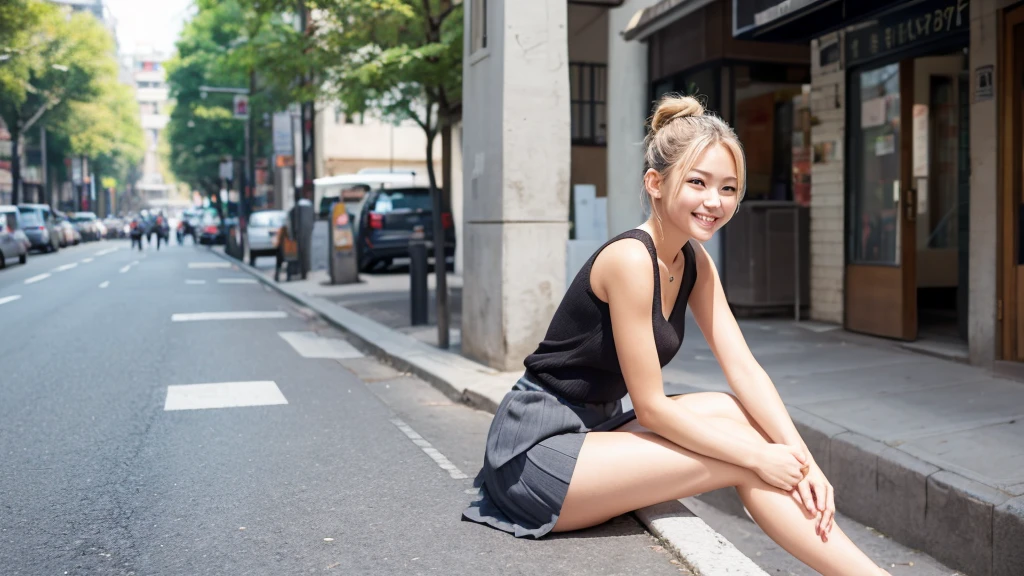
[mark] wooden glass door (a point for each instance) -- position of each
(1011, 301)
(881, 251)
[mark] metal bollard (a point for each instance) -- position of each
(418, 276)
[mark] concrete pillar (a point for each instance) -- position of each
(628, 107)
(516, 142)
(985, 161)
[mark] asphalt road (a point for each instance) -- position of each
(99, 478)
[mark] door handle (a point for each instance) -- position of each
(910, 204)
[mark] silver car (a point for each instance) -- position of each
(40, 225)
(262, 233)
(13, 242)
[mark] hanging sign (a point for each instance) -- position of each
(914, 25)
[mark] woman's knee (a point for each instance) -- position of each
(714, 404)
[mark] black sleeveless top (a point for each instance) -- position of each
(577, 359)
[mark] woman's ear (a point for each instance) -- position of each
(652, 182)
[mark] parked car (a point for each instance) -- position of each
(12, 247)
(87, 224)
(115, 227)
(69, 234)
(386, 221)
(19, 232)
(211, 232)
(261, 235)
(40, 225)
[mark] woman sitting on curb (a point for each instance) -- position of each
(561, 455)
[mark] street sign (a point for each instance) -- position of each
(241, 106)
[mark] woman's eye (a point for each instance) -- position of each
(697, 181)
(729, 189)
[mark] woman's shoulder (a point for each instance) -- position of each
(626, 261)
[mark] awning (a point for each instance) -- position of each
(653, 18)
(800, 20)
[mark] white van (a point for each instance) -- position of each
(352, 188)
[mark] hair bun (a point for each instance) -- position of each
(672, 107)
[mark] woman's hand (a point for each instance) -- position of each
(815, 493)
(781, 465)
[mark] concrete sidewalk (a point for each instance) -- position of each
(929, 451)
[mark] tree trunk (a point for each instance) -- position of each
(15, 165)
(440, 269)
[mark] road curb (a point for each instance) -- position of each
(703, 550)
(878, 485)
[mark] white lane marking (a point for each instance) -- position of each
(223, 395)
(126, 268)
(38, 278)
(86, 260)
(311, 345)
(107, 251)
(236, 281)
(208, 265)
(105, 284)
(436, 456)
(195, 282)
(202, 316)
(66, 267)
(7, 299)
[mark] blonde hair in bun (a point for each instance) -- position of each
(680, 131)
(671, 108)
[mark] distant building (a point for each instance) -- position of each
(145, 68)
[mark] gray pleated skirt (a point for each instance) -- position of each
(532, 447)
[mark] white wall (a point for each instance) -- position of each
(628, 107)
(828, 96)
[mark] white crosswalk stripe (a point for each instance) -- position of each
(206, 316)
(223, 395)
(7, 299)
(208, 265)
(311, 345)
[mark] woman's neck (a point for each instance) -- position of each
(668, 241)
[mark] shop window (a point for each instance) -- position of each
(478, 25)
(875, 168)
(942, 198)
(588, 84)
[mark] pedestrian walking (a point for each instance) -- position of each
(561, 454)
(162, 228)
(135, 233)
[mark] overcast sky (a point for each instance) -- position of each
(154, 23)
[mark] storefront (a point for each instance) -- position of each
(763, 91)
(891, 148)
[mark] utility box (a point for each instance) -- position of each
(343, 263)
(767, 258)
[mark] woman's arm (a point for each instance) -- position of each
(745, 376)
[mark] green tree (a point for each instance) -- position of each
(399, 58)
(212, 51)
(65, 69)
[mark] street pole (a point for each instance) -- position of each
(45, 197)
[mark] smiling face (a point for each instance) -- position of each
(699, 201)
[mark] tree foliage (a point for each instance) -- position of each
(401, 59)
(62, 73)
(213, 51)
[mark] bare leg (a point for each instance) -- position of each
(624, 470)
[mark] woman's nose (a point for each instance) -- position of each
(713, 199)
